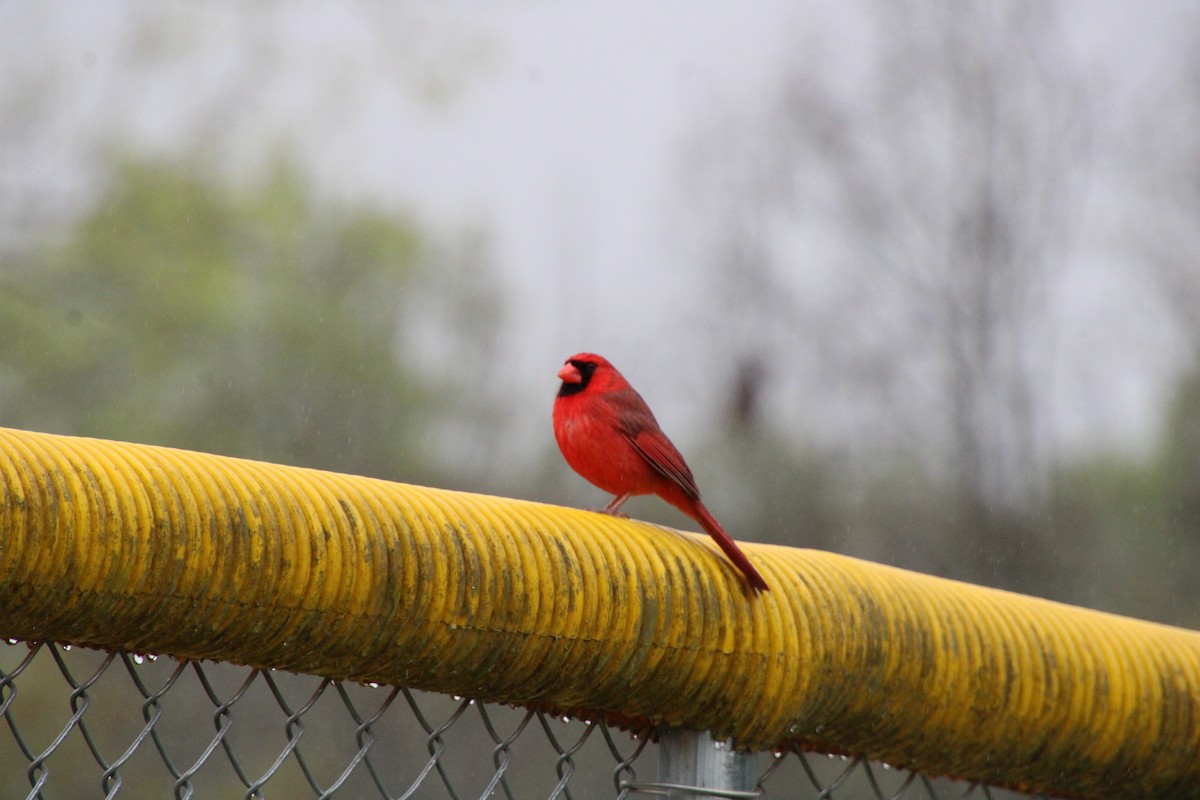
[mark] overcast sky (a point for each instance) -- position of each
(555, 127)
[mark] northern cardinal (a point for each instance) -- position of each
(608, 435)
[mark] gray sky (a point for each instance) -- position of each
(555, 127)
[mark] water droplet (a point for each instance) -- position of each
(886, 765)
(721, 745)
(66, 647)
(457, 698)
(565, 718)
(138, 658)
(778, 754)
(373, 684)
(152, 657)
(12, 641)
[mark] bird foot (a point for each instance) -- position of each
(608, 513)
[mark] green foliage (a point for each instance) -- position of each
(1180, 459)
(1128, 530)
(773, 491)
(257, 324)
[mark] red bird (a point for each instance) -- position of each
(608, 435)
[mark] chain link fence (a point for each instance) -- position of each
(82, 723)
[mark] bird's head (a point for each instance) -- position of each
(584, 370)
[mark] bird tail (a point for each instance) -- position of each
(730, 548)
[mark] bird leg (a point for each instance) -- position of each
(614, 508)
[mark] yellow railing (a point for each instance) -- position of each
(198, 556)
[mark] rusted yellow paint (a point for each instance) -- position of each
(199, 556)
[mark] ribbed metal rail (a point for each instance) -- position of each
(204, 557)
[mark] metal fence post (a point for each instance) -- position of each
(692, 766)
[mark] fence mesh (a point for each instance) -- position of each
(83, 723)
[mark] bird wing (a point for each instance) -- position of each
(636, 422)
(660, 454)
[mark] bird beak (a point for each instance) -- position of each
(570, 374)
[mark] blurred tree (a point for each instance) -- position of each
(771, 490)
(254, 323)
(1160, 172)
(935, 203)
(1135, 521)
(1181, 458)
(1162, 164)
